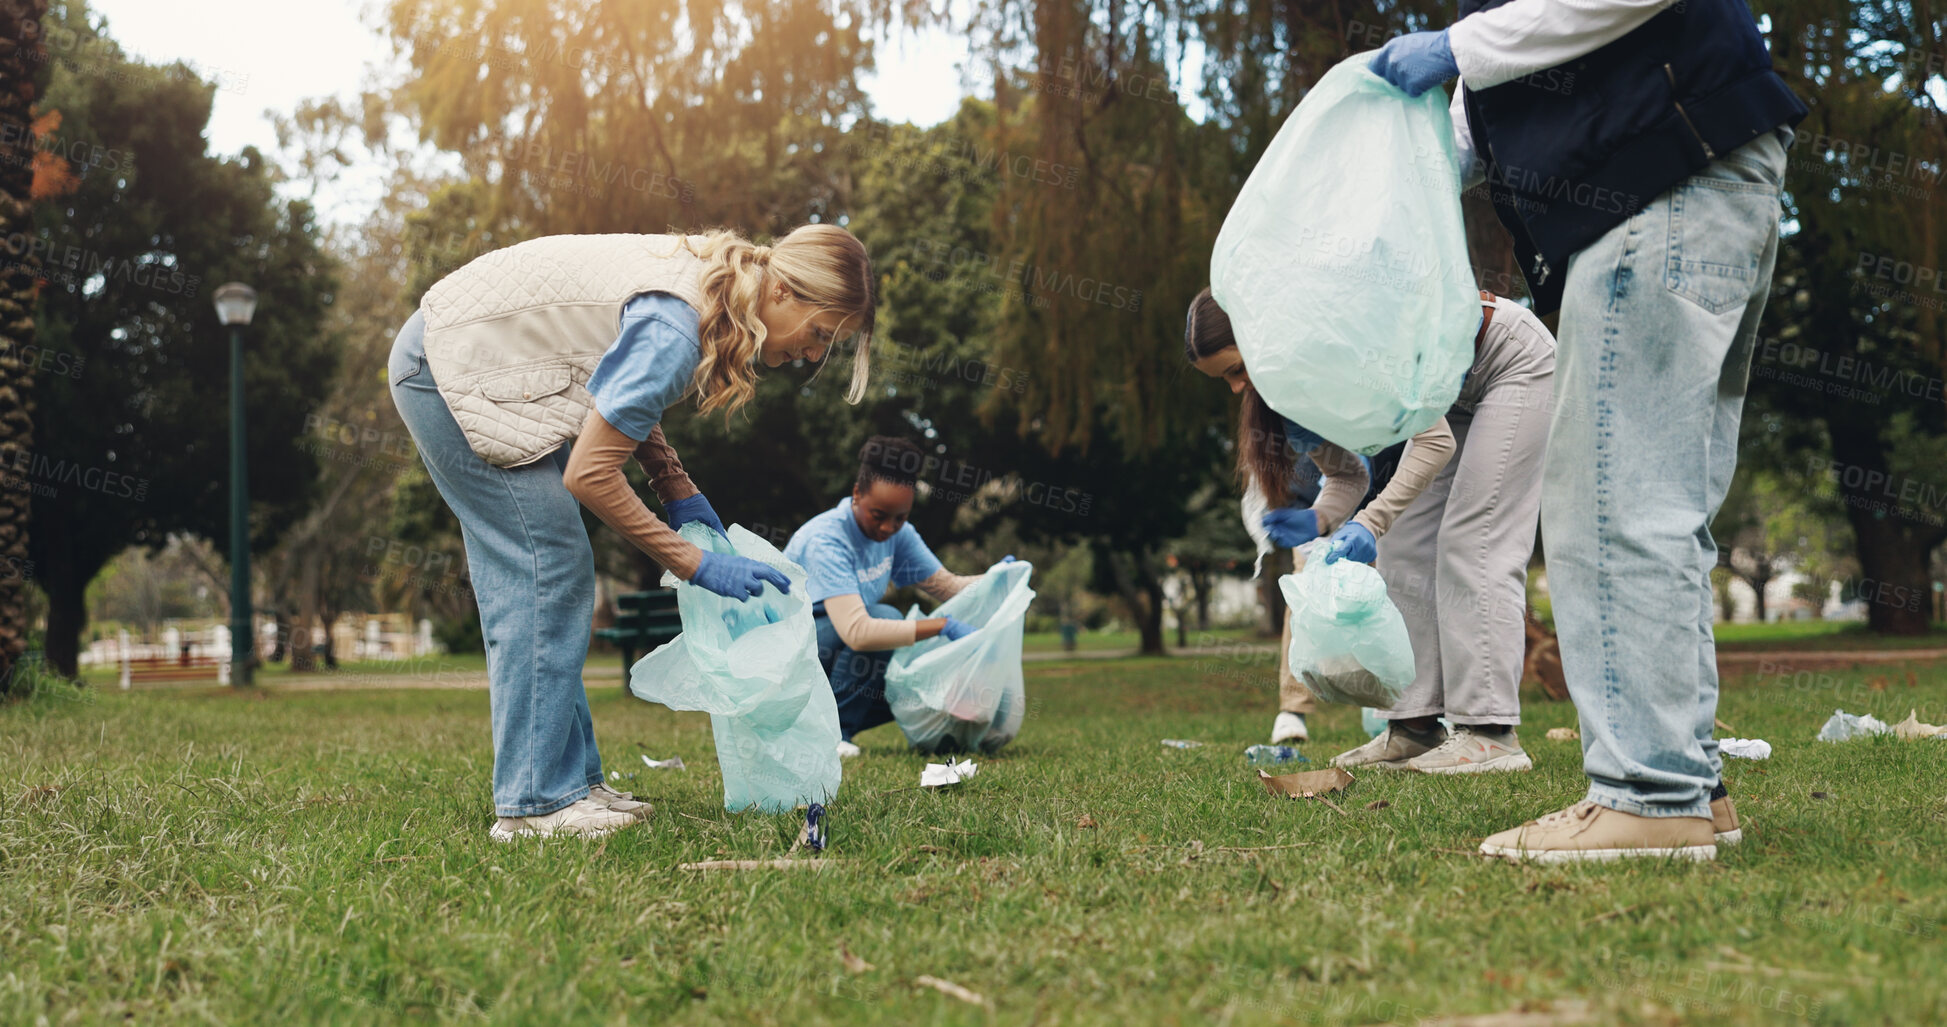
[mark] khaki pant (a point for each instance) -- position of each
(1456, 559)
(1293, 696)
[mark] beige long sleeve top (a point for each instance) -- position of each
(1425, 457)
(594, 477)
(1346, 482)
(863, 633)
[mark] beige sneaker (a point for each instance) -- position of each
(1469, 752)
(1586, 832)
(620, 802)
(1388, 750)
(583, 818)
(1724, 822)
(1289, 727)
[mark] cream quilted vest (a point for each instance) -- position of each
(513, 336)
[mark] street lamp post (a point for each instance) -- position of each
(235, 304)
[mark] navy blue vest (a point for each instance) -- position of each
(1577, 149)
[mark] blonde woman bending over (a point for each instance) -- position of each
(587, 340)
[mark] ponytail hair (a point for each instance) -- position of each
(1263, 452)
(822, 265)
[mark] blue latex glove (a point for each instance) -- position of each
(1291, 526)
(1353, 542)
(737, 577)
(1415, 62)
(695, 508)
(1009, 558)
(956, 629)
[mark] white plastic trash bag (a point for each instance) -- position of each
(1343, 263)
(1348, 641)
(753, 666)
(966, 694)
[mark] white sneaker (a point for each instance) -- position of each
(1467, 751)
(620, 802)
(1289, 727)
(581, 819)
(846, 750)
(1391, 749)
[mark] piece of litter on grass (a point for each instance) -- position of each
(950, 989)
(1563, 734)
(939, 775)
(1912, 728)
(1181, 743)
(1309, 784)
(1821, 795)
(1843, 727)
(672, 763)
(1745, 748)
(812, 834)
(852, 963)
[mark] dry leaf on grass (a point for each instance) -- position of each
(1086, 821)
(1912, 728)
(1307, 784)
(853, 964)
(950, 989)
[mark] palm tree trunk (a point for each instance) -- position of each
(20, 74)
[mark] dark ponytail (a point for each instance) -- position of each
(1263, 455)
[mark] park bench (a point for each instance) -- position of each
(643, 621)
(182, 668)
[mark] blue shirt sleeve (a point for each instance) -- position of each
(832, 572)
(912, 562)
(649, 365)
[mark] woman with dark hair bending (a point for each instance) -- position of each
(852, 554)
(1452, 532)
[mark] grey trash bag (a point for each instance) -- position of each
(753, 666)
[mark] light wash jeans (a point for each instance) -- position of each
(1658, 324)
(534, 577)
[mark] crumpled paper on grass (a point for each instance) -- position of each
(939, 775)
(1745, 748)
(1844, 727)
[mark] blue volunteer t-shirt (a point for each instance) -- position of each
(648, 367)
(840, 560)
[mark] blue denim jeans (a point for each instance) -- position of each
(534, 577)
(858, 679)
(1657, 330)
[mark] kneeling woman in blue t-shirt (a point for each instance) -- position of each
(852, 553)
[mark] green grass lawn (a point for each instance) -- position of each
(1820, 635)
(196, 856)
(470, 664)
(1130, 641)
